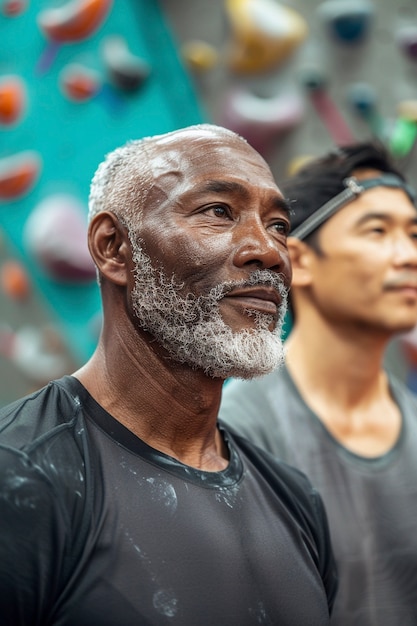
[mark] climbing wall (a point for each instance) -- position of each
(77, 79)
(297, 77)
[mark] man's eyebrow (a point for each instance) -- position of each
(375, 215)
(283, 205)
(223, 186)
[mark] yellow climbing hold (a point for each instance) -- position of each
(199, 55)
(264, 34)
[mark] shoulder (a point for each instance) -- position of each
(405, 397)
(45, 465)
(44, 519)
(32, 417)
(42, 437)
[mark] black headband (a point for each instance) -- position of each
(354, 188)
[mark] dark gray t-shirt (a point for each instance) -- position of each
(99, 529)
(371, 503)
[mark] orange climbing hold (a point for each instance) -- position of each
(18, 174)
(12, 99)
(14, 280)
(74, 21)
(13, 8)
(79, 83)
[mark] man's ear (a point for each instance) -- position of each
(109, 246)
(301, 256)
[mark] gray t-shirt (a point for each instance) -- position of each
(371, 503)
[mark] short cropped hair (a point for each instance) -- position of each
(321, 179)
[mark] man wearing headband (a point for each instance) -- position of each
(333, 410)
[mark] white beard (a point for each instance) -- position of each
(192, 330)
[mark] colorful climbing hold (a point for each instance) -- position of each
(39, 353)
(315, 83)
(264, 34)
(18, 174)
(13, 99)
(13, 8)
(74, 21)
(14, 280)
(347, 20)
(404, 132)
(298, 162)
(79, 83)
(406, 37)
(126, 71)
(200, 56)
(55, 234)
(363, 99)
(262, 120)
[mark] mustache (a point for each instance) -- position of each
(259, 278)
(402, 280)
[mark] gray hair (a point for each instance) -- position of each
(123, 181)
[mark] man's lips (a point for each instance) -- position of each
(409, 288)
(263, 299)
(409, 284)
(405, 280)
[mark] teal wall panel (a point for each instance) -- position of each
(72, 138)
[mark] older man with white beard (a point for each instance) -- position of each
(123, 499)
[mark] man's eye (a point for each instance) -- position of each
(219, 210)
(380, 230)
(282, 227)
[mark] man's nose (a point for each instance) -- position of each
(405, 250)
(255, 245)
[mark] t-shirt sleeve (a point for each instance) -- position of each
(327, 562)
(33, 536)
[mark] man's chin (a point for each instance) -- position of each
(245, 374)
(248, 371)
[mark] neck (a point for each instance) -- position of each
(168, 405)
(339, 373)
(338, 361)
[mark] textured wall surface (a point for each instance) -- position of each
(70, 138)
(377, 60)
(73, 137)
